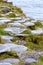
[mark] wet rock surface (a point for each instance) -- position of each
(18, 27)
(15, 30)
(19, 38)
(10, 60)
(2, 21)
(14, 47)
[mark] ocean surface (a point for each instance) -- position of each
(32, 8)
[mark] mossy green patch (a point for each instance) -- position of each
(10, 54)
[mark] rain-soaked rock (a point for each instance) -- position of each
(5, 63)
(29, 24)
(8, 47)
(10, 60)
(15, 30)
(37, 31)
(6, 39)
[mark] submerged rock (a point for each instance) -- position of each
(10, 60)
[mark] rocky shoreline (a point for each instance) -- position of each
(21, 38)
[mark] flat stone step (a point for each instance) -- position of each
(22, 35)
(5, 63)
(37, 31)
(10, 60)
(15, 24)
(6, 14)
(30, 60)
(8, 47)
(2, 21)
(29, 24)
(15, 30)
(6, 39)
